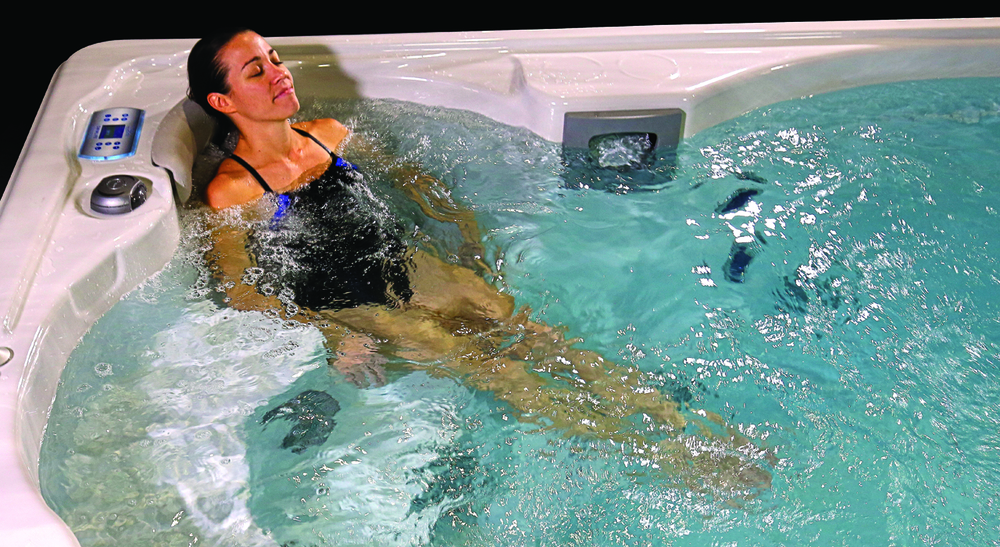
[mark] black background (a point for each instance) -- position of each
(29, 66)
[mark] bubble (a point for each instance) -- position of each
(103, 369)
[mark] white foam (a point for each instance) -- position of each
(207, 380)
(210, 377)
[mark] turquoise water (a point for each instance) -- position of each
(860, 348)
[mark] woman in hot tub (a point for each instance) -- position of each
(341, 253)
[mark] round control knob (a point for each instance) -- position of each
(118, 194)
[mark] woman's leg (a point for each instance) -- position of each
(457, 324)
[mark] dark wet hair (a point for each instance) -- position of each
(206, 74)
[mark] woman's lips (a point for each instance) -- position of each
(286, 90)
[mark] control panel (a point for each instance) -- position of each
(113, 133)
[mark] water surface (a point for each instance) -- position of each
(860, 347)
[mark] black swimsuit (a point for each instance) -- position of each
(333, 242)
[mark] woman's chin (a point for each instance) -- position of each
(288, 103)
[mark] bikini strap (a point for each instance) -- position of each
(315, 140)
(252, 171)
(337, 160)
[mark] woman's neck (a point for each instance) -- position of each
(269, 142)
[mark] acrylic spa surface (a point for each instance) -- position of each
(65, 266)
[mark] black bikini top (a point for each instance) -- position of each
(337, 160)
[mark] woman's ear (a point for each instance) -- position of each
(220, 102)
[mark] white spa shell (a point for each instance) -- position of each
(62, 267)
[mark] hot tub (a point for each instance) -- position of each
(65, 265)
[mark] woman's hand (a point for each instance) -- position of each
(356, 357)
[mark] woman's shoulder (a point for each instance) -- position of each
(232, 185)
(328, 130)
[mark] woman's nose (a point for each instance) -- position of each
(277, 72)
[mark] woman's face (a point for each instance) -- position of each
(260, 86)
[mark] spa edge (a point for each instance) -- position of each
(62, 265)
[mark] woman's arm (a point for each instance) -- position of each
(432, 196)
(435, 200)
(355, 354)
(231, 265)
